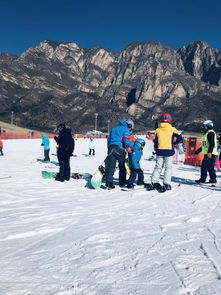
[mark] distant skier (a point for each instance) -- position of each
(118, 140)
(46, 144)
(65, 149)
(164, 137)
(1, 148)
(135, 158)
(91, 147)
(209, 150)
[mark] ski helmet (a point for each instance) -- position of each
(130, 123)
(140, 142)
(166, 117)
(60, 127)
(207, 123)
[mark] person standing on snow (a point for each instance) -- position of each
(46, 144)
(118, 140)
(135, 158)
(91, 147)
(209, 150)
(164, 137)
(65, 149)
(1, 148)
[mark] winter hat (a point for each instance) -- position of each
(166, 117)
(60, 127)
(130, 123)
(140, 142)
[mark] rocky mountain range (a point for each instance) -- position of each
(61, 82)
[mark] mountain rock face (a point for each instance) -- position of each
(61, 82)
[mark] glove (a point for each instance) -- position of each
(197, 152)
(42, 144)
(209, 155)
(180, 149)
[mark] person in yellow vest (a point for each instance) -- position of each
(165, 137)
(209, 150)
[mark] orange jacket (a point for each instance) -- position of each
(132, 139)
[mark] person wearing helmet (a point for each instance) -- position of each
(165, 137)
(209, 150)
(135, 158)
(118, 140)
(65, 149)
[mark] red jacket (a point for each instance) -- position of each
(1, 144)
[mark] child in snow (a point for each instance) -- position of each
(164, 145)
(91, 147)
(1, 148)
(135, 158)
(46, 144)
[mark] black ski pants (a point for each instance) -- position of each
(91, 152)
(115, 154)
(133, 176)
(208, 165)
(64, 171)
(46, 154)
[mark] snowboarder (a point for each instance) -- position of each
(65, 149)
(209, 150)
(91, 147)
(1, 148)
(165, 137)
(118, 140)
(135, 158)
(46, 144)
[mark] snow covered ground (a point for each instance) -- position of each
(68, 239)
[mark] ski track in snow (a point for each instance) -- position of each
(67, 239)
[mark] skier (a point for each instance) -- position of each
(46, 144)
(164, 138)
(135, 158)
(91, 147)
(1, 148)
(65, 149)
(118, 140)
(209, 150)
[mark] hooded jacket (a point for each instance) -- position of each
(164, 139)
(65, 144)
(136, 156)
(120, 136)
(45, 142)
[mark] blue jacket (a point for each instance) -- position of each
(45, 142)
(135, 157)
(120, 136)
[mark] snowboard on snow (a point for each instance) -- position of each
(96, 179)
(49, 174)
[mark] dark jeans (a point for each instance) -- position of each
(208, 165)
(133, 176)
(46, 154)
(64, 171)
(92, 151)
(115, 154)
(1, 152)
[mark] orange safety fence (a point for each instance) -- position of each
(192, 144)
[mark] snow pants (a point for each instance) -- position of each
(208, 165)
(64, 171)
(46, 155)
(133, 176)
(1, 152)
(91, 152)
(162, 162)
(115, 154)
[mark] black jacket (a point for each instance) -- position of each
(65, 144)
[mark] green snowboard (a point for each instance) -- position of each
(47, 174)
(96, 179)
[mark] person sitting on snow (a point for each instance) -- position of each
(135, 158)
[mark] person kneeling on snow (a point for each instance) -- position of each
(135, 158)
(164, 137)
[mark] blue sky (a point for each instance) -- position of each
(108, 24)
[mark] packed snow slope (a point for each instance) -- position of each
(68, 239)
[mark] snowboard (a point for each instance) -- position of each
(127, 166)
(96, 180)
(48, 174)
